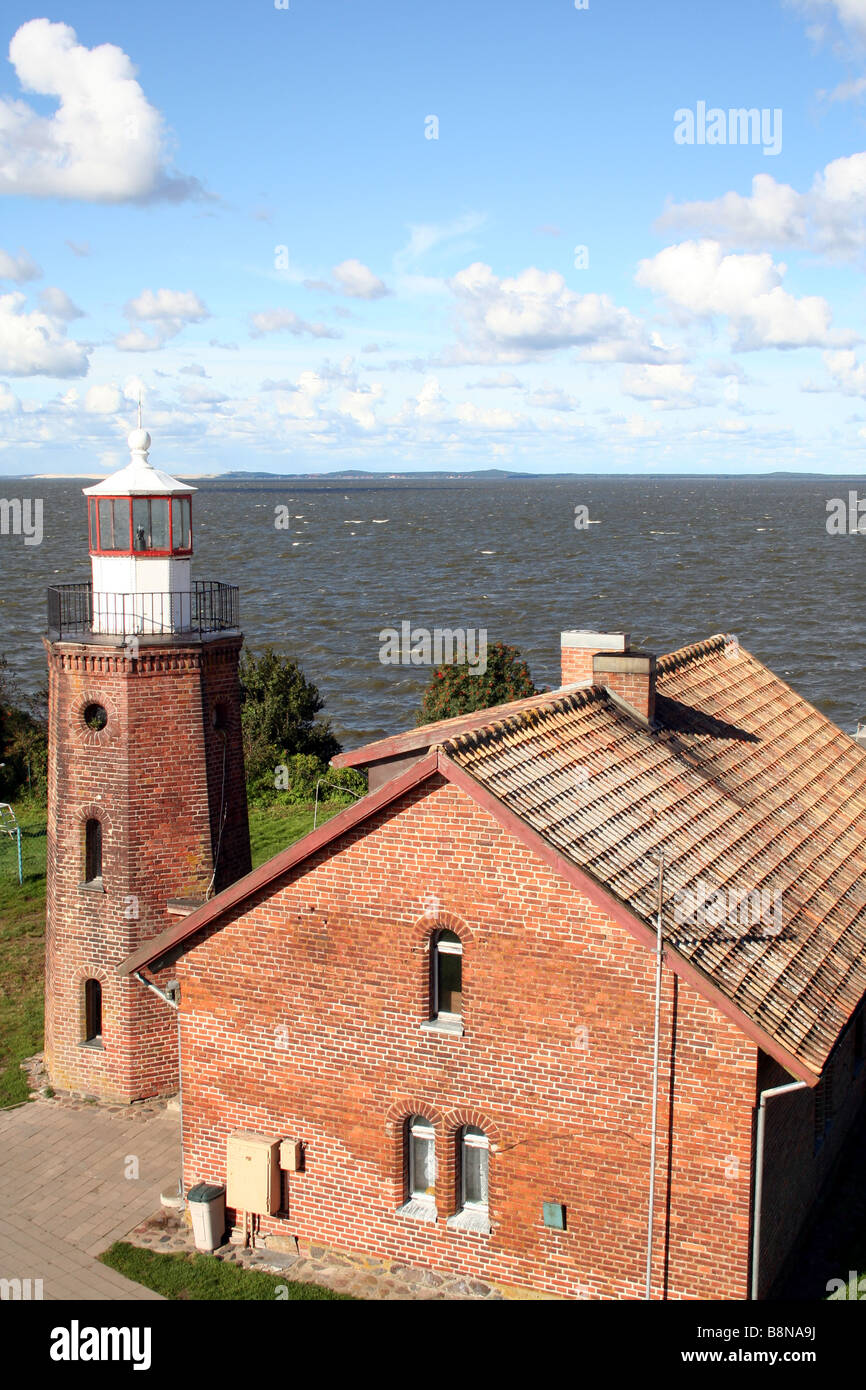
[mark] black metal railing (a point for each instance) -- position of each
(209, 606)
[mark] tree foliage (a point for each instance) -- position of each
(23, 739)
(459, 689)
(287, 747)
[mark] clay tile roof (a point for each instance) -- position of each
(744, 787)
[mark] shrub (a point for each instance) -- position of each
(457, 689)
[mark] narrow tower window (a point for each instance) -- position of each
(93, 852)
(92, 1011)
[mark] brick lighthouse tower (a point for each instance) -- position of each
(147, 812)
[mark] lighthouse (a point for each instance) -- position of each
(147, 813)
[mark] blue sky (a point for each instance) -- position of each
(240, 210)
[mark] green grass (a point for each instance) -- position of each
(22, 931)
(205, 1278)
(272, 828)
(22, 925)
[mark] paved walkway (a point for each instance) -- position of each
(65, 1194)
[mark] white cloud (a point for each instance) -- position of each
(850, 14)
(700, 282)
(358, 281)
(35, 344)
(9, 402)
(830, 217)
(285, 321)
(666, 385)
(551, 398)
(849, 375)
(195, 393)
(534, 314)
(106, 399)
(104, 143)
(58, 304)
(166, 312)
(501, 381)
(18, 268)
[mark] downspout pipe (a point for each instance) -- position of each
(171, 998)
(655, 1106)
(759, 1174)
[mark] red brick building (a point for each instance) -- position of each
(146, 797)
(446, 996)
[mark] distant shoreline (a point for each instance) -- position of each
(430, 475)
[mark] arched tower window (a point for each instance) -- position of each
(92, 1011)
(93, 851)
(447, 976)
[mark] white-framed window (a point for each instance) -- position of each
(474, 1170)
(421, 1138)
(447, 977)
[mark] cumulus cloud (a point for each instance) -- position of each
(105, 399)
(534, 314)
(285, 321)
(700, 282)
(830, 217)
(105, 143)
(849, 375)
(18, 268)
(34, 343)
(57, 303)
(358, 281)
(165, 314)
(667, 385)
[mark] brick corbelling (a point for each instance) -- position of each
(302, 1015)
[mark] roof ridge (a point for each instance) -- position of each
(576, 699)
(673, 661)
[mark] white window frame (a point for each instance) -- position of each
(420, 1128)
(445, 948)
(473, 1138)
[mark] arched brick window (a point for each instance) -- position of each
(93, 1012)
(446, 977)
(93, 851)
(421, 1159)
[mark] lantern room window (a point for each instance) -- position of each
(150, 523)
(140, 525)
(114, 523)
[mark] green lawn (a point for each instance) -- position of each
(204, 1277)
(22, 925)
(22, 931)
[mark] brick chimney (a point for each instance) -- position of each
(605, 658)
(579, 648)
(630, 677)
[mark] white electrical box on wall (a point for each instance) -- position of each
(253, 1173)
(290, 1155)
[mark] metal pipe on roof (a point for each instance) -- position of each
(654, 1122)
(759, 1175)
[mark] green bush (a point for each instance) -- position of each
(23, 741)
(291, 780)
(457, 689)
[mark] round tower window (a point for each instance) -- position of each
(95, 717)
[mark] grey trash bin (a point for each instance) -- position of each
(207, 1206)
